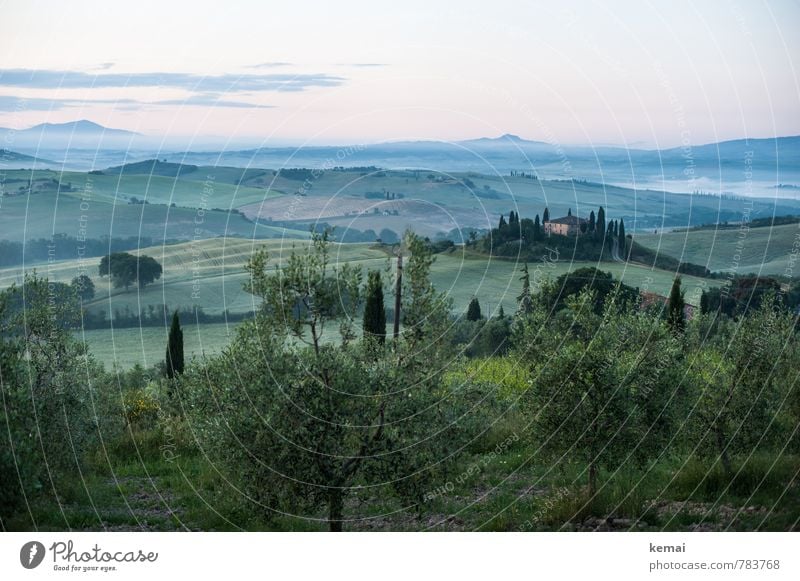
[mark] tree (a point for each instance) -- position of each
(537, 229)
(174, 357)
(591, 221)
(601, 386)
(738, 380)
(600, 227)
(622, 239)
(675, 315)
(149, 270)
(474, 310)
(374, 310)
(84, 287)
(524, 300)
(546, 216)
(602, 284)
(502, 222)
(569, 212)
(388, 236)
(125, 269)
(52, 408)
(303, 424)
(512, 217)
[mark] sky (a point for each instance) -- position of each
(635, 73)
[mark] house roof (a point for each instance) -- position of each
(569, 220)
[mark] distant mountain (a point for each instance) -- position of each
(80, 127)
(81, 134)
(762, 150)
(504, 140)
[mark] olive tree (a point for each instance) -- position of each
(601, 384)
(49, 395)
(740, 382)
(300, 421)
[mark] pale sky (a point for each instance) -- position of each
(625, 72)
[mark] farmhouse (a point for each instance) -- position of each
(566, 226)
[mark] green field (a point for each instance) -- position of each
(429, 202)
(124, 348)
(210, 274)
(43, 214)
(762, 250)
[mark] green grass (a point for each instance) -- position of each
(42, 215)
(126, 347)
(202, 188)
(210, 274)
(156, 478)
(443, 204)
(763, 250)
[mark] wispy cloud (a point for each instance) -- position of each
(363, 65)
(56, 79)
(10, 103)
(270, 65)
(210, 100)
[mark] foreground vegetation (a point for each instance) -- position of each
(581, 409)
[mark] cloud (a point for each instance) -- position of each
(9, 103)
(269, 65)
(55, 79)
(364, 65)
(211, 100)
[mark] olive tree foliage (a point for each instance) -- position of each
(49, 396)
(743, 383)
(300, 423)
(602, 384)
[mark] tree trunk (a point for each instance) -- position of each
(398, 290)
(723, 451)
(592, 478)
(335, 509)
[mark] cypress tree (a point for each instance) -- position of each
(374, 311)
(512, 217)
(537, 228)
(675, 316)
(601, 223)
(621, 236)
(546, 215)
(502, 222)
(501, 313)
(174, 355)
(524, 300)
(474, 310)
(591, 221)
(569, 212)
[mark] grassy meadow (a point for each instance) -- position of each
(763, 250)
(210, 274)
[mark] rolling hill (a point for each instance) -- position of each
(13, 160)
(739, 250)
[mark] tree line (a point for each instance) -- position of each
(64, 247)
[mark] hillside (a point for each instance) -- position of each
(151, 167)
(12, 159)
(209, 273)
(760, 250)
(358, 198)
